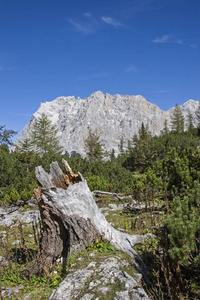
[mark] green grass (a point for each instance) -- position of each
(41, 287)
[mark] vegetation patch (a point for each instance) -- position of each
(162, 173)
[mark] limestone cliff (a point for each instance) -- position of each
(116, 116)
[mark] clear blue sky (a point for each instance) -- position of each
(52, 48)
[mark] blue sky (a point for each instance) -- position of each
(52, 48)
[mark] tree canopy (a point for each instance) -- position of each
(177, 119)
(6, 135)
(43, 136)
(94, 146)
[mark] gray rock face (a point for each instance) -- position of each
(116, 117)
(100, 280)
(10, 216)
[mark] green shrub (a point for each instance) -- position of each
(96, 182)
(7, 199)
(100, 247)
(14, 195)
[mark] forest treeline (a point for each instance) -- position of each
(157, 170)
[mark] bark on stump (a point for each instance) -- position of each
(71, 220)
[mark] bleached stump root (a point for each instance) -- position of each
(71, 220)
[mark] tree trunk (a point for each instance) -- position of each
(71, 220)
(96, 193)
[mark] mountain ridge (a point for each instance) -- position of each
(116, 116)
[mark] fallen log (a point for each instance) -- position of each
(97, 192)
(71, 220)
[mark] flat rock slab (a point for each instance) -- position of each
(10, 216)
(102, 280)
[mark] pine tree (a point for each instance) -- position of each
(190, 125)
(112, 154)
(143, 132)
(44, 136)
(121, 146)
(177, 119)
(94, 146)
(6, 135)
(26, 145)
(165, 130)
(27, 154)
(198, 119)
(142, 146)
(183, 227)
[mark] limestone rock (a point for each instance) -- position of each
(11, 215)
(110, 277)
(118, 116)
(72, 285)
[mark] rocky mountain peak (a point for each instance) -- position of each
(116, 116)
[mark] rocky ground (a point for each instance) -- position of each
(11, 214)
(96, 273)
(104, 278)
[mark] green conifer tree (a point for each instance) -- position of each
(27, 154)
(6, 135)
(198, 119)
(121, 146)
(112, 154)
(177, 119)
(165, 130)
(26, 145)
(142, 146)
(94, 146)
(190, 124)
(44, 137)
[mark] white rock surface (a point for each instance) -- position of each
(118, 116)
(109, 273)
(10, 216)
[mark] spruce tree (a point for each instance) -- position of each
(27, 154)
(44, 137)
(190, 125)
(25, 146)
(142, 146)
(94, 147)
(177, 119)
(165, 130)
(198, 119)
(112, 154)
(121, 146)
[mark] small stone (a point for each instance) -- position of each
(124, 295)
(80, 259)
(87, 297)
(104, 290)
(91, 255)
(91, 265)
(27, 296)
(3, 261)
(94, 284)
(17, 242)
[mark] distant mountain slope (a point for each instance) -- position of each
(118, 116)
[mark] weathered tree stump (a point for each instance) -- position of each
(71, 220)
